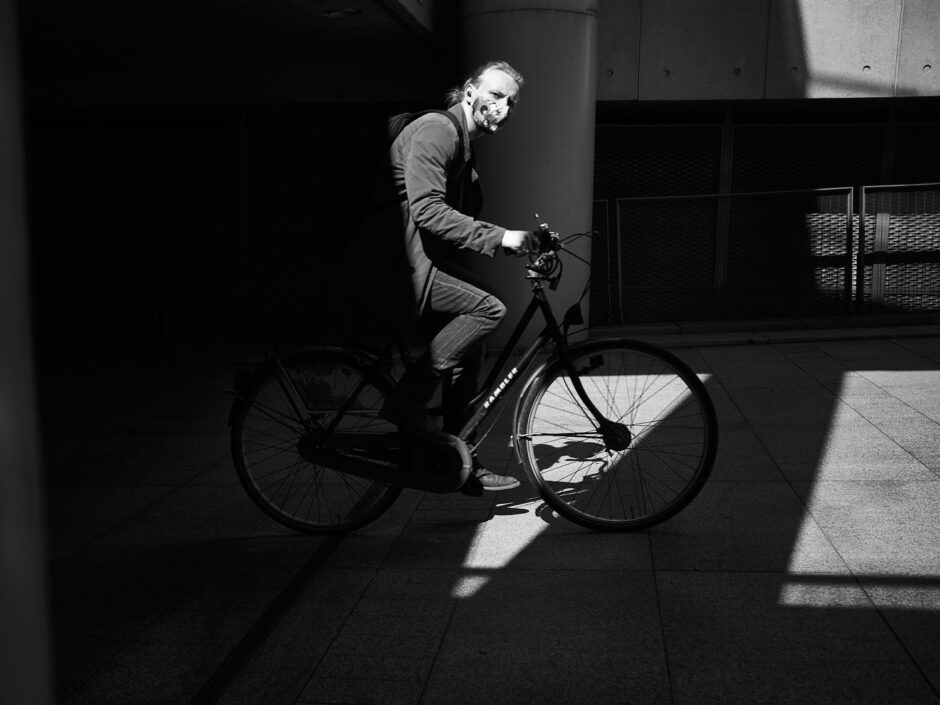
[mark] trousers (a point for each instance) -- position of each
(457, 316)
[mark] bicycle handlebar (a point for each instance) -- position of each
(548, 241)
(545, 264)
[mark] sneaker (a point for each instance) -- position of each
(482, 480)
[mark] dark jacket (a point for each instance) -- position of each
(423, 206)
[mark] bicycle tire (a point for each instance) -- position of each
(287, 400)
(657, 397)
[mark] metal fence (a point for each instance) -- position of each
(899, 248)
(718, 257)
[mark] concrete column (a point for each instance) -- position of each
(543, 162)
(25, 673)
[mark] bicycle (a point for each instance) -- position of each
(614, 434)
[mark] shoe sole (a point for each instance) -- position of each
(502, 487)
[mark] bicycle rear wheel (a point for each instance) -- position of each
(652, 460)
(297, 406)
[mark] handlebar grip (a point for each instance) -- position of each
(548, 241)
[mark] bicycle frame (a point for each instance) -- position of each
(496, 385)
(494, 391)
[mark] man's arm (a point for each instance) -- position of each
(426, 159)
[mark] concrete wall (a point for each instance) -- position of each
(767, 49)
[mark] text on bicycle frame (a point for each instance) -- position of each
(500, 388)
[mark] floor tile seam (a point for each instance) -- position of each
(664, 641)
(871, 481)
(831, 541)
(206, 466)
(120, 527)
(911, 657)
(875, 425)
(785, 338)
(438, 652)
(364, 662)
(782, 573)
(763, 386)
(356, 679)
(254, 637)
(886, 388)
(913, 457)
(802, 501)
(76, 689)
(846, 370)
(303, 682)
(462, 571)
(382, 567)
(750, 427)
(919, 353)
(831, 659)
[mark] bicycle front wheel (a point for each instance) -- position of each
(295, 407)
(649, 458)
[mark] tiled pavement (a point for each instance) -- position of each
(807, 571)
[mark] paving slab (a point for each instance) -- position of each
(731, 637)
(805, 571)
(532, 634)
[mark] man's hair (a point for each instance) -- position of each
(455, 94)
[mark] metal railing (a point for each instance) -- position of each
(899, 248)
(728, 256)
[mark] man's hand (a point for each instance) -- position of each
(518, 242)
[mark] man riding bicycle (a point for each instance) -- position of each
(437, 198)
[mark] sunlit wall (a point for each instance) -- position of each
(767, 49)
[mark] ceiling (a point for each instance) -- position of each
(74, 51)
(67, 26)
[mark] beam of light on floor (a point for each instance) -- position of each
(644, 395)
(495, 545)
(869, 532)
(882, 592)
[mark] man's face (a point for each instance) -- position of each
(492, 100)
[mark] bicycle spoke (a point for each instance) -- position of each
(274, 448)
(657, 401)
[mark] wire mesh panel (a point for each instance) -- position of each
(774, 254)
(900, 248)
(755, 255)
(656, 160)
(667, 258)
(805, 156)
(604, 287)
(917, 153)
(789, 254)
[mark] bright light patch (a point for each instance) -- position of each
(468, 585)
(656, 405)
(881, 554)
(496, 544)
(823, 594)
(861, 592)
